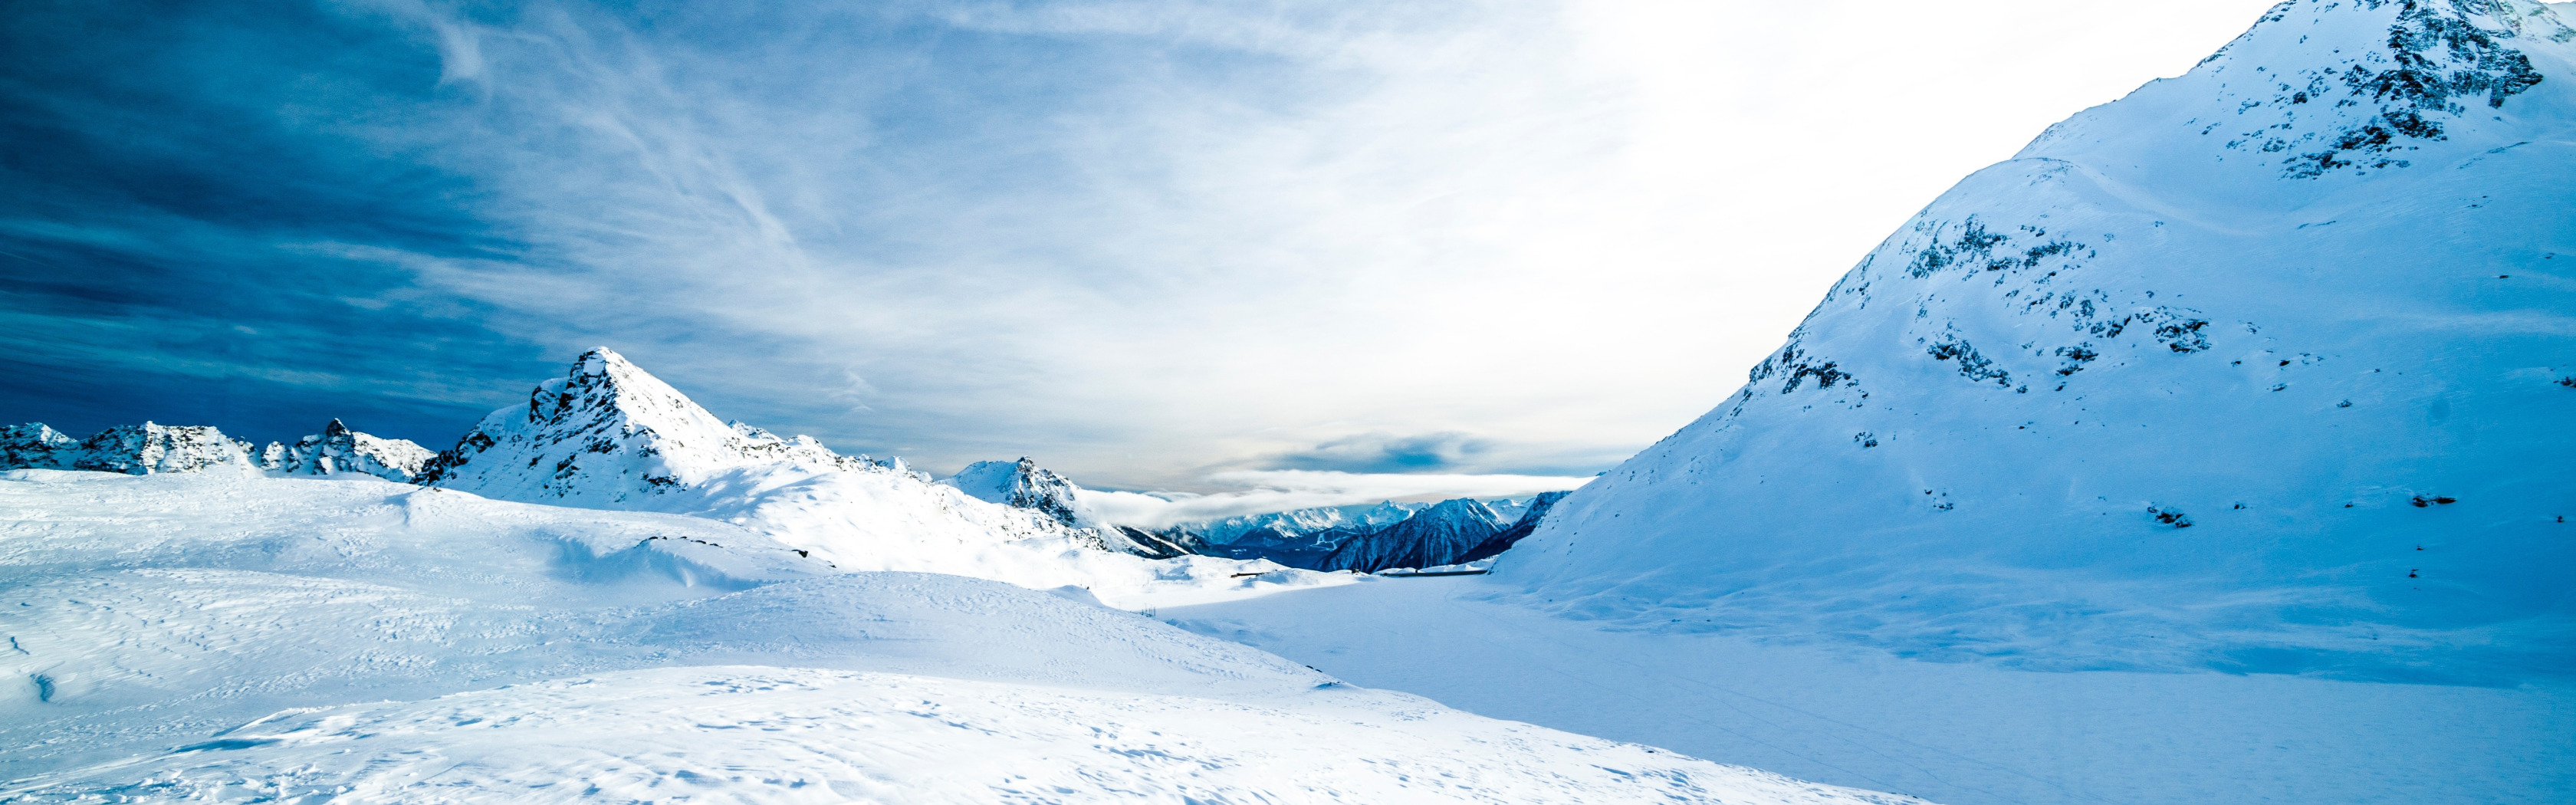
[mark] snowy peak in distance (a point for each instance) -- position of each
(1023, 484)
(35, 445)
(151, 448)
(130, 449)
(608, 434)
(1432, 537)
(337, 450)
(1276, 525)
(1532, 514)
(1019, 483)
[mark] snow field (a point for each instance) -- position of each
(775, 735)
(1964, 733)
(196, 637)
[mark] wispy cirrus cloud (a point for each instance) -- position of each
(1142, 240)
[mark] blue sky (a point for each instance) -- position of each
(1145, 242)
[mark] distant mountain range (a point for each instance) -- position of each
(1389, 535)
(149, 448)
(609, 435)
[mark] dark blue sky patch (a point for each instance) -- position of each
(182, 180)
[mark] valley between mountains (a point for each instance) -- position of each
(2211, 449)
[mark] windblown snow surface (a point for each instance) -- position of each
(208, 638)
(2266, 368)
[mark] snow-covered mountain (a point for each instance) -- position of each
(1289, 526)
(2261, 368)
(1024, 484)
(337, 450)
(1510, 510)
(1309, 538)
(610, 435)
(130, 449)
(154, 448)
(1436, 536)
(1275, 524)
(1019, 483)
(36, 445)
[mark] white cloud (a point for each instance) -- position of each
(1146, 239)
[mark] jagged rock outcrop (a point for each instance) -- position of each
(1436, 536)
(337, 450)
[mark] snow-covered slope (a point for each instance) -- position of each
(203, 637)
(2262, 368)
(337, 450)
(1436, 536)
(610, 435)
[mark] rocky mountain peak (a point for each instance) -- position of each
(610, 434)
(1439, 535)
(1020, 483)
(152, 448)
(337, 450)
(35, 445)
(2321, 89)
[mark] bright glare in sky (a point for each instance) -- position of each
(1151, 245)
